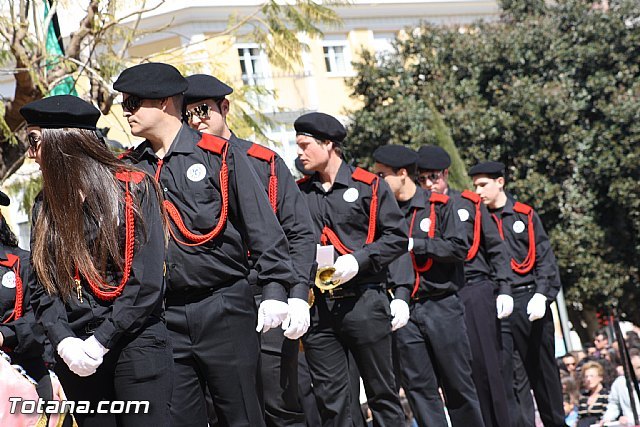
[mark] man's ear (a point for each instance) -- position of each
(224, 107)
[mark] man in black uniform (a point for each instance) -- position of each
(217, 213)
(20, 336)
(354, 211)
(433, 347)
(207, 109)
(536, 283)
(486, 271)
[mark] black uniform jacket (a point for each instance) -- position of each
(140, 303)
(190, 179)
(492, 257)
(447, 249)
(23, 336)
(345, 210)
(292, 213)
(515, 227)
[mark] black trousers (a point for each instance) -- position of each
(433, 348)
(360, 326)
(215, 346)
(534, 342)
(517, 387)
(308, 397)
(279, 375)
(483, 330)
(138, 368)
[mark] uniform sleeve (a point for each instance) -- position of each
(449, 246)
(24, 335)
(48, 310)
(497, 253)
(145, 287)
(401, 277)
(547, 277)
(295, 219)
(391, 241)
(261, 230)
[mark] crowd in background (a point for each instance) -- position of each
(593, 382)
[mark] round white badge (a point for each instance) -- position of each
(425, 225)
(518, 227)
(196, 172)
(351, 195)
(9, 279)
(463, 214)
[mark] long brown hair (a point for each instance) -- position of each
(80, 187)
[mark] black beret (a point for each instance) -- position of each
(432, 157)
(4, 199)
(202, 86)
(151, 80)
(61, 111)
(395, 156)
(301, 168)
(321, 126)
(487, 168)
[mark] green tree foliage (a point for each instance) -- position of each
(551, 90)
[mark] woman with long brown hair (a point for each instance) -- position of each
(98, 245)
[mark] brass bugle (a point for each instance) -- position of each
(324, 280)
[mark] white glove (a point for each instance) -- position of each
(410, 244)
(93, 348)
(400, 313)
(297, 322)
(536, 307)
(71, 350)
(346, 268)
(271, 313)
(504, 304)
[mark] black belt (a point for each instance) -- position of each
(189, 296)
(347, 291)
(523, 288)
(435, 295)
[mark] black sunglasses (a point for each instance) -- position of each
(132, 103)
(433, 176)
(201, 112)
(34, 141)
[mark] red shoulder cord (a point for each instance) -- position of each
(329, 236)
(218, 146)
(473, 250)
(13, 262)
(433, 199)
(527, 264)
(263, 153)
(105, 291)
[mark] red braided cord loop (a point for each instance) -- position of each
(526, 265)
(199, 239)
(427, 265)
(328, 235)
(435, 198)
(273, 186)
(108, 292)
(13, 262)
(473, 250)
